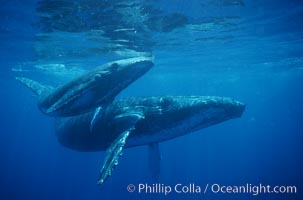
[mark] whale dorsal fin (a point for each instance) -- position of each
(35, 86)
(114, 151)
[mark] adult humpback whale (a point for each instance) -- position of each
(142, 121)
(96, 88)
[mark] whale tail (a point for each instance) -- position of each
(34, 86)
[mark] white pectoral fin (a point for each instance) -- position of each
(112, 155)
(126, 120)
(154, 160)
(97, 115)
(114, 151)
(35, 86)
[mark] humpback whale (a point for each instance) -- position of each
(142, 121)
(96, 88)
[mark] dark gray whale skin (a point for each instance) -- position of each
(163, 118)
(95, 88)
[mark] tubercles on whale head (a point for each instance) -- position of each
(201, 111)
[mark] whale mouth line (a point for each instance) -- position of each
(63, 102)
(68, 105)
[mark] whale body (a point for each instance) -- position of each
(95, 88)
(142, 121)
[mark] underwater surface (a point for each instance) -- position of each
(249, 50)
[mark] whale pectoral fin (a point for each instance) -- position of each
(97, 115)
(126, 120)
(112, 155)
(114, 151)
(36, 87)
(154, 160)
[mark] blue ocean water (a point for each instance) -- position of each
(248, 50)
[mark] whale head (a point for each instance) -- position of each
(168, 117)
(197, 112)
(96, 88)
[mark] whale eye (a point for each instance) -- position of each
(114, 67)
(165, 102)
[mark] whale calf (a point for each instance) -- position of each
(95, 88)
(142, 121)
